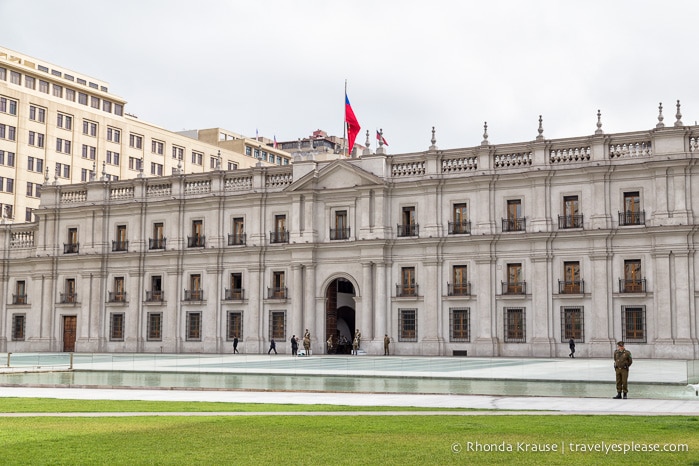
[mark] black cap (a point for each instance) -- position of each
(620, 343)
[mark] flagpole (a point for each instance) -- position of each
(344, 122)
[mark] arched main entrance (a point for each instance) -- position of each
(340, 315)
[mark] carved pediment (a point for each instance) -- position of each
(338, 174)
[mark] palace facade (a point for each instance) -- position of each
(493, 250)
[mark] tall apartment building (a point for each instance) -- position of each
(493, 250)
(57, 125)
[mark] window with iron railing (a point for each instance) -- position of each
(408, 225)
(155, 326)
(514, 284)
(157, 243)
(154, 296)
(460, 228)
(236, 239)
(116, 326)
(407, 286)
(570, 221)
(571, 287)
(459, 324)
(632, 218)
(407, 324)
(514, 224)
(633, 281)
(279, 236)
(633, 324)
(234, 325)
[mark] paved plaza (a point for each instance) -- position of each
(428, 382)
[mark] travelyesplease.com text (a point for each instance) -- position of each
(569, 447)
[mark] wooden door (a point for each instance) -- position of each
(69, 330)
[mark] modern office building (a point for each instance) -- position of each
(492, 250)
(59, 125)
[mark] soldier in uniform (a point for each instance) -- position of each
(386, 342)
(622, 362)
(307, 342)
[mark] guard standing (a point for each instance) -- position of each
(622, 362)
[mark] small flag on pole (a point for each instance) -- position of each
(380, 138)
(352, 124)
(275, 141)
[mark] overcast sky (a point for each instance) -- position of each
(279, 66)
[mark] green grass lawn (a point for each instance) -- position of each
(327, 439)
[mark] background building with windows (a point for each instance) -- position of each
(493, 250)
(59, 125)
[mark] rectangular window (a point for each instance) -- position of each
(459, 324)
(20, 296)
(177, 152)
(118, 109)
(135, 164)
(515, 284)
(155, 326)
(43, 86)
(57, 90)
(194, 326)
(407, 325)
(460, 285)
(278, 285)
(197, 158)
(156, 289)
(571, 278)
(514, 325)
(30, 82)
(8, 158)
(116, 326)
(235, 292)
(158, 239)
(633, 323)
(135, 141)
(82, 98)
(157, 147)
(232, 166)
(37, 114)
(571, 217)
(408, 287)
(514, 220)
(69, 291)
(234, 326)
(279, 235)
(340, 230)
(633, 281)
(8, 106)
(156, 169)
(89, 152)
(238, 235)
(15, 78)
(197, 240)
(70, 95)
(195, 292)
(89, 128)
(460, 223)
(277, 325)
(572, 324)
(408, 227)
(29, 214)
(94, 102)
(113, 135)
(64, 121)
(18, 327)
(632, 214)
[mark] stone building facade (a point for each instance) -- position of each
(493, 250)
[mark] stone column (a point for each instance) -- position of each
(297, 304)
(255, 313)
(382, 306)
(366, 310)
(599, 320)
(485, 313)
(313, 319)
(543, 342)
(431, 343)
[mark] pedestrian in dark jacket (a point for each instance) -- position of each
(235, 344)
(272, 347)
(294, 346)
(571, 344)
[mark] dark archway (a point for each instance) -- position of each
(339, 316)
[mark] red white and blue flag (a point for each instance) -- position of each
(352, 124)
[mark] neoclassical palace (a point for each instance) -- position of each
(493, 250)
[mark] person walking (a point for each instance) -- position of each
(622, 362)
(294, 346)
(386, 341)
(235, 344)
(571, 345)
(272, 346)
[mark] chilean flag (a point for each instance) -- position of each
(379, 137)
(352, 124)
